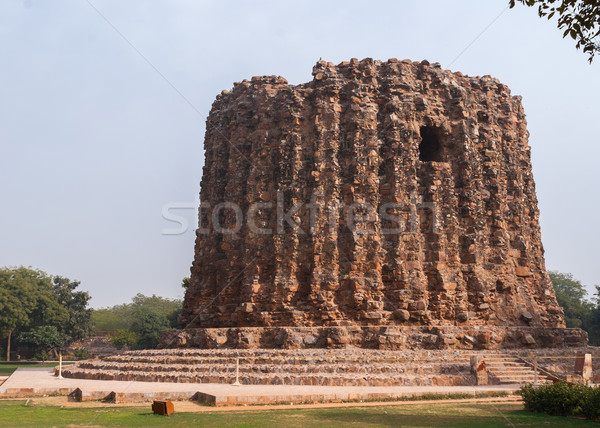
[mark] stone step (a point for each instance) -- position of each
(316, 354)
(266, 378)
(513, 376)
(505, 366)
(290, 362)
(295, 367)
(508, 369)
(279, 368)
(272, 360)
(505, 381)
(515, 373)
(502, 360)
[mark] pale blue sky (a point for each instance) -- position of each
(93, 142)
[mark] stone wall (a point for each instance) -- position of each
(376, 337)
(438, 158)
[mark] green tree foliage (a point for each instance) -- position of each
(18, 299)
(46, 338)
(572, 297)
(579, 19)
(117, 317)
(159, 304)
(579, 311)
(30, 298)
(81, 353)
(147, 325)
(78, 324)
(140, 322)
(185, 283)
(124, 338)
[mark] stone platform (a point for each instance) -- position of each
(30, 382)
(342, 367)
(329, 367)
(376, 337)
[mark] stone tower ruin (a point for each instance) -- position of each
(382, 204)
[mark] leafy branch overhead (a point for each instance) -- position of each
(579, 19)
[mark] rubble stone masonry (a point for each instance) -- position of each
(378, 194)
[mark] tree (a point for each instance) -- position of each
(18, 299)
(30, 298)
(48, 310)
(185, 283)
(116, 317)
(45, 338)
(594, 331)
(173, 318)
(579, 19)
(159, 304)
(145, 317)
(147, 325)
(78, 325)
(571, 295)
(579, 311)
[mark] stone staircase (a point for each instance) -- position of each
(507, 369)
(347, 367)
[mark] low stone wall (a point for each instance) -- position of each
(97, 346)
(375, 337)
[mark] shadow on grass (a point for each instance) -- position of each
(446, 416)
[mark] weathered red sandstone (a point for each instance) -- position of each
(447, 153)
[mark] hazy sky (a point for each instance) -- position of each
(94, 142)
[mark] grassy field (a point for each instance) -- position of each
(17, 414)
(6, 369)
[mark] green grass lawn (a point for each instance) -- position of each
(6, 369)
(16, 414)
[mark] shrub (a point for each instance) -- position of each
(124, 338)
(562, 399)
(590, 407)
(81, 353)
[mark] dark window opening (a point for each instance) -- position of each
(430, 148)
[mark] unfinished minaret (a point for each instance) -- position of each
(376, 203)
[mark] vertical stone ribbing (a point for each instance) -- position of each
(448, 151)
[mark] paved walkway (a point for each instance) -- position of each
(26, 382)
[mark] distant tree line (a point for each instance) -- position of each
(137, 325)
(41, 314)
(580, 312)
